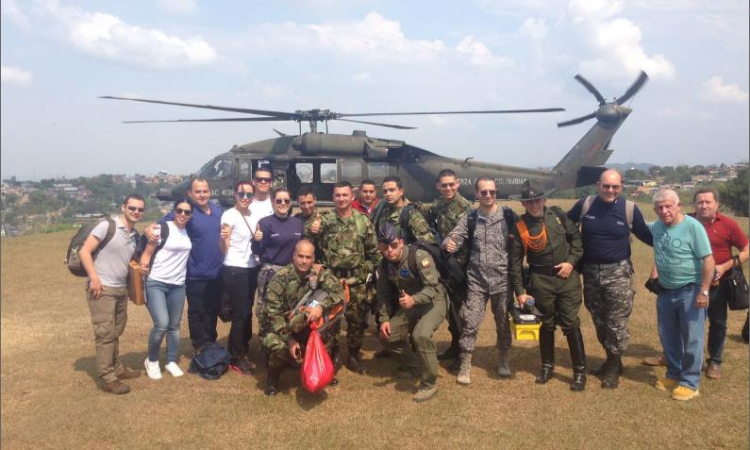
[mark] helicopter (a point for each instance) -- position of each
(319, 160)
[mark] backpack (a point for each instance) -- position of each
(403, 223)
(143, 242)
(629, 208)
(211, 363)
(471, 221)
(447, 265)
(72, 257)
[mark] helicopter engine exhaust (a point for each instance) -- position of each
(356, 145)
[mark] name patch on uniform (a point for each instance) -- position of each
(425, 263)
(404, 273)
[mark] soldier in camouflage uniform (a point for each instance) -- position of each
(390, 211)
(413, 304)
(487, 277)
(309, 215)
(444, 213)
(552, 246)
(607, 270)
(285, 339)
(350, 251)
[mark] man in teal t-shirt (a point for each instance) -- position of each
(686, 267)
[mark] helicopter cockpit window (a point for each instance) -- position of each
(245, 170)
(378, 171)
(304, 172)
(328, 173)
(218, 170)
(351, 171)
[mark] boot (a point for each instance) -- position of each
(503, 369)
(601, 370)
(455, 366)
(353, 361)
(547, 350)
(336, 358)
(464, 372)
(450, 353)
(272, 381)
(611, 377)
(578, 358)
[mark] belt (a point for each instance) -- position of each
(544, 270)
(687, 286)
(607, 265)
(346, 273)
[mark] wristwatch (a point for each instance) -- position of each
(705, 292)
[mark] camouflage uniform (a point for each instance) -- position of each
(418, 228)
(285, 290)
(608, 295)
(307, 224)
(421, 321)
(350, 251)
(445, 214)
(487, 277)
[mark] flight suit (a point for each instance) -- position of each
(414, 326)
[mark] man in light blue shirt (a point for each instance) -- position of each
(686, 267)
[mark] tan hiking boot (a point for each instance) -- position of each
(666, 384)
(464, 373)
(684, 393)
(655, 360)
(425, 393)
(713, 371)
(116, 387)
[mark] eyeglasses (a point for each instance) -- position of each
(184, 212)
(610, 186)
(447, 185)
(136, 209)
(392, 245)
(488, 193)
(283, 201)
(263, 180)
(245, 195)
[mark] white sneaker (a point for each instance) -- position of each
(174, 369)
(152, 369)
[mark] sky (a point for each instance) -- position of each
(354, 56)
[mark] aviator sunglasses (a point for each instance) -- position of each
(184, 212)
(488, 193)
(136, 209)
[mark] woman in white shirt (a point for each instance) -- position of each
(239, 274)
(165, 261)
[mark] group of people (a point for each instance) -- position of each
(382, 257)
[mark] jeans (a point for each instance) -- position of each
(204, 299)
(165, 303)
(681, 333)
(717, 320)
(239, 285)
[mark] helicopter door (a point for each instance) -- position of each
(326, 176)
(279, 175)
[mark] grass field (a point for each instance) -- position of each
(50, 400)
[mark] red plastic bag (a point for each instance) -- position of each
(317, 368)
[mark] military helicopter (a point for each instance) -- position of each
(319, 160)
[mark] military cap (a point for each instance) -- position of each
(387, 233)
(531, 190)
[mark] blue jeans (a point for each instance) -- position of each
(681, 333)
(165, 303)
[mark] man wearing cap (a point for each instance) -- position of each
(413, 305)
(606, 221)
(286, 337)
(552, 246)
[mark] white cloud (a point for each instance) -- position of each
(362, 77)
(534, 28)
(9, 9)
(375, 36)
(178, 6)
(15, 75)
(617, 40)
(715, 91)
(479, 54)
(106, 36)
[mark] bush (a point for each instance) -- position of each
(734, 193)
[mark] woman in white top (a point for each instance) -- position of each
(165, 261)
(239, 274)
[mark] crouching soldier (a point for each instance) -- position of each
(288, 332)
(552, 246)
(413, 305)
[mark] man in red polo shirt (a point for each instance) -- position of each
(367, 199)
(723, 233)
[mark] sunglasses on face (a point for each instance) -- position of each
(488, 193)
(610, 186)
(393, 245)
(283, 201)
(136, 209)
(183, 212)
(447, 185)
(262, 180)
(246, 195)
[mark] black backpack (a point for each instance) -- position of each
(143, 242)
(403, 223)
(508, 215)
(73, 259)
(446, 263)
(211, 363)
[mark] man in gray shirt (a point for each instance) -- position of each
(107, 290)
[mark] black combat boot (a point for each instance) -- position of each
(272, 381)
(601, 370)
(335, 357)
(578, 358)
(547, 350)
(353, 361)
(611, 377)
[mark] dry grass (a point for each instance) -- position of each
(49, 399)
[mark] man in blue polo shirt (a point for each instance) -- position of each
(606, 221)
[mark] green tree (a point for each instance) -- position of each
(734, 193)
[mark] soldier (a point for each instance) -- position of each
(413, 279)
(487, 276)
(445, 213)
(286, 338)
(350, 251)
(552, 246)
(309, 214)
(392, 210)
(606, 221)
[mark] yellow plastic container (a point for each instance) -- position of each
(525, 331)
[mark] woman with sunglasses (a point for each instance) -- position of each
(239, 274)
(274, 243)
(165, 261)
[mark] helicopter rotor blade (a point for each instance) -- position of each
(634, 88)
(576, 120)
(238, 119)
(427, 113)
(262, 112)
(399, 127)
(590, 87)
